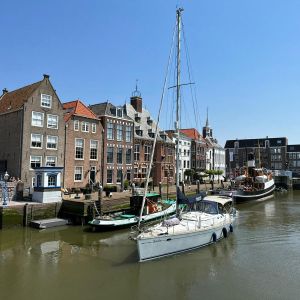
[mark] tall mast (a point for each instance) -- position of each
(177, 124)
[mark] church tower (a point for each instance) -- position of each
(207, 131)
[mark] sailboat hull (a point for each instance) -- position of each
(168, 244)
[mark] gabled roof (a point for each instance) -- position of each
(14, 100)
(192, 133)
(253, 143)
(79, 109)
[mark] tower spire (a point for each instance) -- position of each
(207, 125)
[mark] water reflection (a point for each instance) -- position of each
(260, 260)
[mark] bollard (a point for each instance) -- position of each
(198, 186)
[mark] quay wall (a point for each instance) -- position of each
(21, 215)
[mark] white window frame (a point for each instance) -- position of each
(55, 160)
(78, 173)
(97, 147)
(85, 127)
(76, 125)
(35, 156)
(49, 115)
(94, 127)
(52, 136)
(37, 112)
(46, 100)
(82, 148)
(41, 141)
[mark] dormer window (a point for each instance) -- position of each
(236, 144)
(149, 121)
(138, 130)
(119, 112)
(137, 117)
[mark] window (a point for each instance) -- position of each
(128, 175)
(128, 156)
(119, 156)
(35, 161)
(136, 152)
(78, 173)
(52, 142)
(85, 126)
(94, 127)
(36, 140)
(52, 180)
(119, 132)
(119, 175)
(110, 155)
(79, 146)
(109, 176)
(46, 100)
(110, 131)
(93, 149)
(120, 112)
(52, 121)
(128, 133)
(37, 119)
(50, 161)
(147, 152)
(76, 125)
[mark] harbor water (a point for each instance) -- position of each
(260, 260)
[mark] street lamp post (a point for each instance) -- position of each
(5, 194)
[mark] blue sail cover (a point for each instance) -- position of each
(182, 199)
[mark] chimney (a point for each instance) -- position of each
(136, 99)
(4, 91)
(137, 103)
(46, 76)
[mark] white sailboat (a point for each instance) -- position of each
(205, 221)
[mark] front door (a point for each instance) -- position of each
(92, 175)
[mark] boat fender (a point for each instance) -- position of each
(225, 233)
(231, 228)
(214, 237)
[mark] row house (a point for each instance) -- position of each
(83, 158)
(163, 169)
(269, 153)
(31, 131)
(215, 154)
(184, 144)
(293, 159)
(117, 149)
(198, 149)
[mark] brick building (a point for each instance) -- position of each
(117, 143)
(198, 149)
(163, 169)
(31, 130)
(83, 146)
(293, 159)
(269, 153)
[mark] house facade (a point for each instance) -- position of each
(32, 126)
(270, 153)
(198, 149)
(163, 169)
(215, 154)
(184, 144)
(83, 148)
(293, 159)
(117, 150)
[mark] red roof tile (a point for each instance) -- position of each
(79, 109)
(14, 100)
(192, 133)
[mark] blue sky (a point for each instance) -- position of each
(245, 57)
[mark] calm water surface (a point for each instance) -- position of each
(261, 260)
